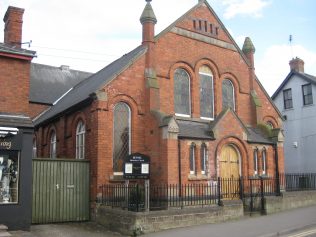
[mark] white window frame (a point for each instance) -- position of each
(129, 132)
(193, 147)
(53, 145)
(264, 161)
(190, 99)
(204, 158)
(80, 140)
(255, 159)
(212, 78)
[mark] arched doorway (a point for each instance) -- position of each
(229, 162)
(229, 171)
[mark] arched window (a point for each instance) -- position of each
(255, 161)
(34, 152)
(182, 100)
(121, 135)
(80, 140)
(228, 94)
(270, 124)
(264, 161)
(192, 159)
(204, 159)
(206, 93)
(53, 144)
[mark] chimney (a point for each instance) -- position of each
(297, 64)
(13, 20)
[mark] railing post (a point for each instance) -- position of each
(241, 188)
(262, 195)
(219, 191)
(137, 197)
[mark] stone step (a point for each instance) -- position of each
(5, 234)
(3, 228)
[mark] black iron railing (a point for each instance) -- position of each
(132, 197)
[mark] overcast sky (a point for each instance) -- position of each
(88, 35)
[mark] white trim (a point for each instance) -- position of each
(183, 115)
(62, 96)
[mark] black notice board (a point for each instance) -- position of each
(136, 166)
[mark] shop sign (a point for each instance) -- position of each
(136, 166)
(13, 142)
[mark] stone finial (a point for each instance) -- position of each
(148, 14)
(248, 46)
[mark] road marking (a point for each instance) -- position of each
(303, 234)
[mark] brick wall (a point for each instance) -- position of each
(14, 81)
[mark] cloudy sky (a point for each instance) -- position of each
(88, 35)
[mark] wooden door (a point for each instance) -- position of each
(229, 172)
(60, 191)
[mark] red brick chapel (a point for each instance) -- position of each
(187, 97)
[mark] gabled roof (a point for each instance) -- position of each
(307, 77)
(83, 91)
(7, 49)
(223, 114)
(48, 83)
(170, 27)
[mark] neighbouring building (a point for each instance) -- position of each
(27, 89)
(295, 100)
(188, 98)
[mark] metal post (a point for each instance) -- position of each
(147, 194)
(262, 195)
(219, 191)
(126, 193)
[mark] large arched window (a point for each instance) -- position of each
(53, 146)
(206, 93)
(228, 94)
(192, 159)
(80, 140)
(203, 158)
(182, 100)
(121, 135)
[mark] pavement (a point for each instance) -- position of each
(279, 224)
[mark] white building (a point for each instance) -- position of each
(295, 98)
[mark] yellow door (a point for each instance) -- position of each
(229, 172)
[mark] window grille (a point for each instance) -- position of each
(228, 97)
(80, 140)
(307, 94)
(192, 159)
(122, 130)
(53, 144)
(287, 96)
(206, 93)
(182, 98)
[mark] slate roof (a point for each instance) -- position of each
(192, 129)
(307, 77)
(14, 50)
(83, 90)
(256, 136)
(49, 83)
(202, 130)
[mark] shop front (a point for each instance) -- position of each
(16, 134)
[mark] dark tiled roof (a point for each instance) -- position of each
(50, 83)
(85, 88)
(194, 130)
(14, 50)
(256, 136)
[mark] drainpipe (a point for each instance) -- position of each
(277, 175)
(179, 166)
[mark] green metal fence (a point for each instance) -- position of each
(60, 191)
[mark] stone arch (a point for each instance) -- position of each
(238, 145)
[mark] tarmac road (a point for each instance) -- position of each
(294, 223)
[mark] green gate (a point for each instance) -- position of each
(60, 191)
